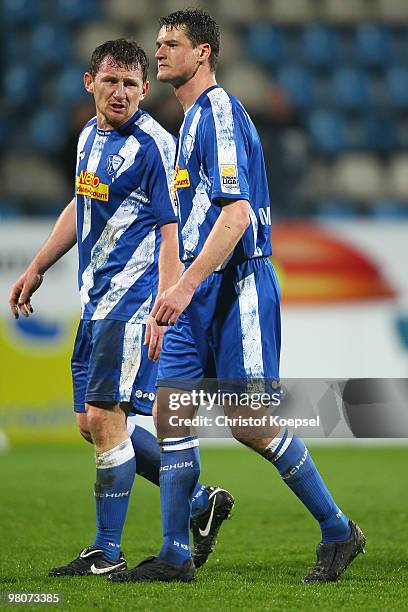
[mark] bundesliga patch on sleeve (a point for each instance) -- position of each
(229, 176)
(88, 184)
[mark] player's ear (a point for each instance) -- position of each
(204, 52)
(146, 86)
(89, 82)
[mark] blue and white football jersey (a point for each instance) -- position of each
(220, 156)
(124, 193)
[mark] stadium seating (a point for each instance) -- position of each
(321, 48)
(47, 130)
(73, 12)
(341, 64)
(347, 11)
(245, 80)
(378, 133)
(49, 45)
(349, 89)
(129, 12)
(328, 131)
(289, 13)
(358, 177)
(373, 45)
(389, 210)
(68, 87)
(266, 44)
(397, 86)
(20, 12)
(398, 177)
(299, 84)
(21, 85)
(240, 13)
(42, 185)
(394, 12)
(91, 35)
(334, 209)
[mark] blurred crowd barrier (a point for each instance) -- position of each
(344, 315)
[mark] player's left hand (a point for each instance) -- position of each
(171, 303)
(154, 338)
(22, 290)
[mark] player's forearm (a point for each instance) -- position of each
(170, 266)
(223, 238)
(60, 241)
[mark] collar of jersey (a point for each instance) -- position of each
(122, 127)
(201, 96)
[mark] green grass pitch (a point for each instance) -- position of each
(263, 551)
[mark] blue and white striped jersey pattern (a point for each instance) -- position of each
(124, 193)
(220, 156)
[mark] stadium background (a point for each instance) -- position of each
(326, 82)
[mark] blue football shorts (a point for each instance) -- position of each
(230, 330)
(111, 364)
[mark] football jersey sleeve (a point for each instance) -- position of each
(161, 190)
(225, 151)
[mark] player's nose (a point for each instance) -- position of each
(120, 91)
(160, 52)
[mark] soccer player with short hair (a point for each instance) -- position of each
(225, 306)
(123, 220)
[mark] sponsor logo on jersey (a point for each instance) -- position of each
(229, 175)
(113, 163)
(181, 178)
(88, 184)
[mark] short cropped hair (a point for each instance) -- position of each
(124, 52)
(200, 28)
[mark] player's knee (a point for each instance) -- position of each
(106, 422)
(86, 434)
(96, 418)
(245, 439)
(239, 438)
(82, 423)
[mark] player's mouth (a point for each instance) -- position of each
(117, 107)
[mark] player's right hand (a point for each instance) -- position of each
(21, 292)
(154, 338)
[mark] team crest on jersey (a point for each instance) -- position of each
(229, 176)
(88, 184)
(181, 178)
(113, 163)
(188, 145)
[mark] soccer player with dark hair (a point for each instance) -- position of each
(225, 307)
(122, 218)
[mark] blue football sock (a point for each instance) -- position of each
(293, 462)
(147, 452)
(199, 503)
(179, 472)
(115, 473)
